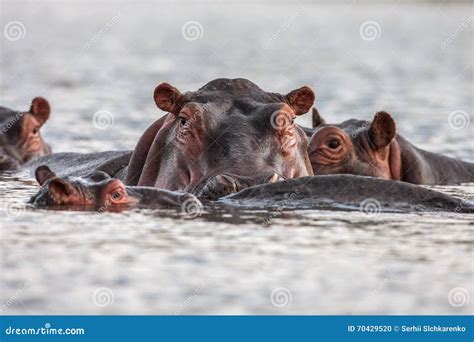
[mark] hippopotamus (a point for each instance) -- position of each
(340, 192)
(98, 189)
(113, 163)
(375, 149)
(346, 192)
(228, 135)
(20, 136)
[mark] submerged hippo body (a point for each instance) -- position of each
(100, 190)
(113, 163)
(347, 192)
(226, 136)
(374, 149)
(20, 136)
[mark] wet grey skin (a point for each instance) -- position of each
(113, 163)
(227, 135)
(347, 192)
(98, 190)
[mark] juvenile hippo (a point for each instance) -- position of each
(346, 192)
(226, 136)
(20, 136)
(374, 149)
(100, 190)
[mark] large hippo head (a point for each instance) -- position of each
(20, 136)
(228, 135)
(356, 147)
(98, 189)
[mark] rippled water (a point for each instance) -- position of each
(86, 57)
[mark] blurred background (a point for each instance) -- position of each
(413, 60)
(98, 62)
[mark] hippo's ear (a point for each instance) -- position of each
(43, 173)
(382, 130)
(300, 100)
(60, 190)
(167, 97)
(40, 108)
(317, 119)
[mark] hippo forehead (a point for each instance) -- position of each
(353, 126)
(7, 115)
(238, 92)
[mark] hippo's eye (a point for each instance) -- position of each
(35, 130)
(183, 120)
(116, 195)
(334, 143)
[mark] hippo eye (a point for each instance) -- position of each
(183, 120)
(35, 130)
(334, 143)
(116, 195)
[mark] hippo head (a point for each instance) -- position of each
(228, 135)
(20, 136)
(355, 147)
(97, 189)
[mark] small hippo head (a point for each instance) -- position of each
(227, 135)
(97, 189)
(355, 147)
(20, 136)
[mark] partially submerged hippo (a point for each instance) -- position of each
(114, 163)
(100, 190)
(374, 149)
(341, 192)
(346, 192)
(226, 136)
(20, 136)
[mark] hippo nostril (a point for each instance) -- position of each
(275, 178)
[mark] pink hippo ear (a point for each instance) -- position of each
(382, 130)
(317, 119)
(41, 109)
(60, 190)
(167, 97)
(43, 173)
(301, 99)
